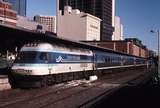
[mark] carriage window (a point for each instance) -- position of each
(83, 57)
(106, 60)
(50, 57)
(43, 56)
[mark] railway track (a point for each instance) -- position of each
(25, 95)
(55, 95)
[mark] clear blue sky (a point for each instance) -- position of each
(44, 7)
(137, 16)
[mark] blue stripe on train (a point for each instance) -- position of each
(54, 57)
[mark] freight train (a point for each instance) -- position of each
(42, 64)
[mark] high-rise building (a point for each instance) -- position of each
(118, 32)
(103, 9)
(19, 6)
(50, 21)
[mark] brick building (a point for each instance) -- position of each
(7, 15)
(130, 46)
(20, 6)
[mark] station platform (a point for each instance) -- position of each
(4, 84)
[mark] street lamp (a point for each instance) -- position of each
(157, 31)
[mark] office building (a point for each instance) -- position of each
(50, 21)
(19, 5)
(7, 15)
(103, 9)
(118, 32)
(79, 26)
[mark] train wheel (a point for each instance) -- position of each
(44, 82)
(11, 81)
(58, 78)
(75, 76)
(13, 86)
(87, 75)
(49, 80)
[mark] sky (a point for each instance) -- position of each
(44, 7)
(137, 16)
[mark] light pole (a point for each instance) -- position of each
(157, 31)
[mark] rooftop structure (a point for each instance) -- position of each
(76, 25)
(103, 9)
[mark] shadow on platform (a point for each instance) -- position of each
(133, 97)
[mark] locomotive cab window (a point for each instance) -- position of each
(26, 57)
(43, 56)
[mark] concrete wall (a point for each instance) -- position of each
(93, 28)
(71, 27)
(79, 26)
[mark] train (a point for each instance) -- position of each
(42, 64)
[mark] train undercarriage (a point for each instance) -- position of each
(28, 81)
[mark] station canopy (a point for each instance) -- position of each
(12, 38)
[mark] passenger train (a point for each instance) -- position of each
(42, 64)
